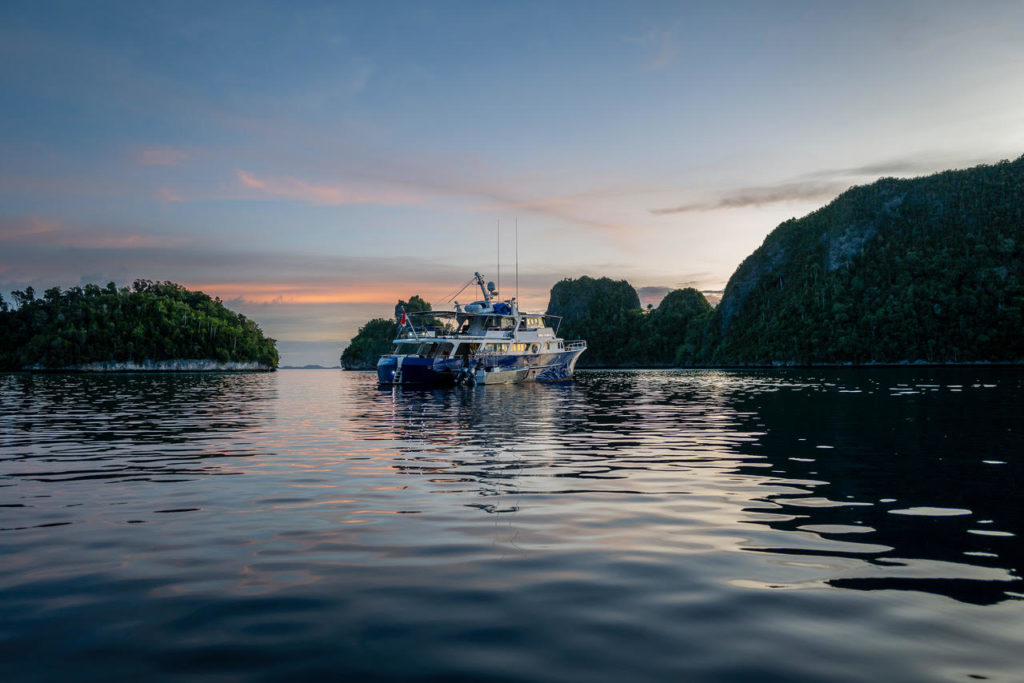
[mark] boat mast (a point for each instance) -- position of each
(517, 264)
(483, 288)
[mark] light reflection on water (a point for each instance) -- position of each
(643, 525)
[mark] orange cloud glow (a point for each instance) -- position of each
(49, 233)
(282, 293)
(330, 195)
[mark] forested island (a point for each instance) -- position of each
(151, 326)
(925, 269)
(922, 270)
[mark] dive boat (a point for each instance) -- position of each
(484, 342)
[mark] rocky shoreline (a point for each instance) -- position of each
(182, 365)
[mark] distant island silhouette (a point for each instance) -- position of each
(309, 367)
(923, 270)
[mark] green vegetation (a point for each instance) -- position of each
(673, 330)
(152, 321)
(375, 337)
(608, 315)
(927, 269)
(919, 270)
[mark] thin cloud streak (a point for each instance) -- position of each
(38, 252)
(329, 195)
(930, 163)
(666, 47)
(42, 253)
(760, 196)
(33, 233)
(823, 185)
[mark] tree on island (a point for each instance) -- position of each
(152, 321)
(374, 339)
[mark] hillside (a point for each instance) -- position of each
(153, 325)
(925, 269)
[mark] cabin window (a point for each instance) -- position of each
(495, 348)
(441, 350)
(520, 347)
(466, 349)
(531, 322)
(503, 323)
(405, 348)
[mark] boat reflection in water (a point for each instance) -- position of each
(855, 480)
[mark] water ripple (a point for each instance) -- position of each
(643, 525)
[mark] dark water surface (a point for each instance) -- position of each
(858, 525)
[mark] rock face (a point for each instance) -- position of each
(920, 270)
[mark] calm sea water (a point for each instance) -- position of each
(857, 525)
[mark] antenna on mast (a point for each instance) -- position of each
(499, 255)
(517, 263)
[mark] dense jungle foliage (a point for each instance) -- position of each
(619, 332)
(152, 321)
(374, 338)
(919, 270)
(926, 269)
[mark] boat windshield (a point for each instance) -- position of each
(406, 347)
(423, 348)
(430, 324)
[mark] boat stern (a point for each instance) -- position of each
(413, 370)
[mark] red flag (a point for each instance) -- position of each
(403, 318)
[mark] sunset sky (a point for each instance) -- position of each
(310, 163)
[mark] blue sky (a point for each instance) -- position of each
(310, 163)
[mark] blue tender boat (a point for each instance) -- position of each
(485, 342)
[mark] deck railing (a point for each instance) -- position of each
(575, 345)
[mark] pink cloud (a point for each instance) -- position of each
(331, 195)
(19, 229)
(169, 195)
(39, 232)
